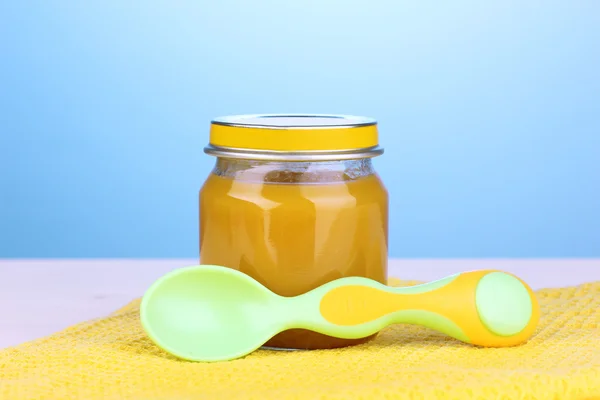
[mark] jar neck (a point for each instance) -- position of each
(304, 172)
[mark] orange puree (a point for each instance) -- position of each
(294, 236)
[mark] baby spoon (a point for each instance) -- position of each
(213, 313)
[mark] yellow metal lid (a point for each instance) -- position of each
(294, 137)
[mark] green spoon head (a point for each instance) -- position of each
(208, 313)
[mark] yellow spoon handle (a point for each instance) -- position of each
(486, 308)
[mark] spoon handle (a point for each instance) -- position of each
(486, 308)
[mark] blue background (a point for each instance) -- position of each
(489, 113)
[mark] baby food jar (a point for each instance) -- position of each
(294, 202)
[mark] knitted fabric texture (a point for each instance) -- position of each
(111, 358)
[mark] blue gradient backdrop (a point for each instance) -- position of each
(489, 112)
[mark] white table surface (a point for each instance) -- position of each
(40, 297)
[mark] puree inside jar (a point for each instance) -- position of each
(295, 230)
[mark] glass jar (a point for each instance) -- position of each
(294, 202)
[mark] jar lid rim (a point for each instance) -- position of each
(294, 121)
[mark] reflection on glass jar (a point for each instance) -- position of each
(295, 214)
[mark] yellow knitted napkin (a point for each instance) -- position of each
(111, 358)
